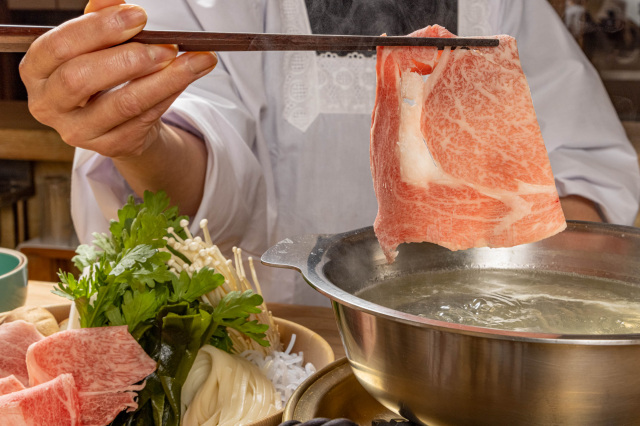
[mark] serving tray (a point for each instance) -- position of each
(316, 350)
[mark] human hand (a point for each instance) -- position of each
(102, 95)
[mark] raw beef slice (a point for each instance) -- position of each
(100, 359)
(98, 409)
(51, 403)
(10, 384)
(15, 339)
(457, 155)
(106, 363)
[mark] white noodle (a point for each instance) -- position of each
(225, 390)
(291, 343)
(285, 370)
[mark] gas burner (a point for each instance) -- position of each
(322, 421)
(393, 422)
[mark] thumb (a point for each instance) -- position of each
(95, 5)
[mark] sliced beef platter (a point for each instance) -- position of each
(75, 377)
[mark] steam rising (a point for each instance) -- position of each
(376, 17)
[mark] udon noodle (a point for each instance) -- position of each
(225, 390)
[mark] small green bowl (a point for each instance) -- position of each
(13, 279)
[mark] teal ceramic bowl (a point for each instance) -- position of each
(13, 279)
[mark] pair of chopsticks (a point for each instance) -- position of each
(18, 38)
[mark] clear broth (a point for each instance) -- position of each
(516, 300)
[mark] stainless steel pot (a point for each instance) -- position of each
(440, 373)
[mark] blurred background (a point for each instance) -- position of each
(609, 33)
(35, 164)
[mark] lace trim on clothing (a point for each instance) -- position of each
(325, 83)
(347, 84)
(300, 88)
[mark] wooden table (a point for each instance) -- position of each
(318, 319)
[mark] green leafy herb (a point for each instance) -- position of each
(233, 310)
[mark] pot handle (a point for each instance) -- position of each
(296, 253)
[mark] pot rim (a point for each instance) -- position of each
(315, 277)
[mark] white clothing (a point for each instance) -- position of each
(287, 157)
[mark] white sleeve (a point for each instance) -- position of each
(234, 200)
(234, 197)
(588, 148)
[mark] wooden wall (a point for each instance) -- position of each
(559, 6)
